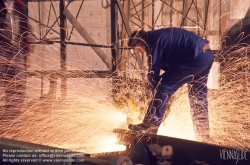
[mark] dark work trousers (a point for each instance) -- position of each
(194, 72)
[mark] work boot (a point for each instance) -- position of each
(147, 128)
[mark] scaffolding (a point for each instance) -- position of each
(125, 16)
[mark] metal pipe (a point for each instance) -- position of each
(171, 12)
(136, 5)
(158, 15)
(185, 16)
(124, 17)
(63, 50)
(206, 17)
(78, 12)
(181, 13)
(106, 59)
(40, 23)
(113, 31)
(40, 37)
(143, 13)
(136, 12)
(153, 11)
(80, 44)
(50, 28)
(140, 25)
(70, 73)
(39, 19)
(141, 9)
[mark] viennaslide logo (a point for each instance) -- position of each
(233, 154)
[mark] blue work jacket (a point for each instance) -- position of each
(169, 47)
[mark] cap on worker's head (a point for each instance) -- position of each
(136, 37)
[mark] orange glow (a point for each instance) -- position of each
(109, 144)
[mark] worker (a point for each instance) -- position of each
(184, 57)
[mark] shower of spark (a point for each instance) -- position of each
(84, 125)
(228, 106)
(85, 121)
